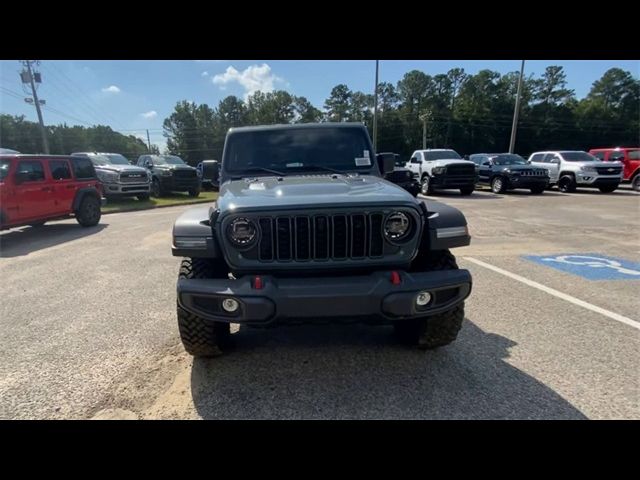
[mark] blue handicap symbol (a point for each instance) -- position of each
(591, 266)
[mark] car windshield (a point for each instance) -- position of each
(167, 160)
(99, 160)
(4, 168)
(442, 155)
(578, 157)
(294, 150)
(508, 159)
(116, 159)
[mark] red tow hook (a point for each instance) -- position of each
(395, 278)
(257, 283)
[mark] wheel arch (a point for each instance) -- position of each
(81, 194)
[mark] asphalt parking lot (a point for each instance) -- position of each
(88, 325)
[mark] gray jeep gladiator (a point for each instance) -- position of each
(306, 228)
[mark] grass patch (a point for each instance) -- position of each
(131, 203)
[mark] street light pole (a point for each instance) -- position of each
(516, 111)
(36, 101)
(375, 112)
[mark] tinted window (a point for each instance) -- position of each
(83, 168)
(508, 159)
(4, 168)
(599, 155)
(615, 157)
(578, 157)
(633, 154)
(60, 169)
(33, 169)
(117, 159)
(537, 157)
(442, 155)
(167, 160)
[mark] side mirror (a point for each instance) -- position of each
(488, 164)
(556, 161)
(414, 160)
(386, 162)
(21, 177)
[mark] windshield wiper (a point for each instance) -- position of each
(262, 169)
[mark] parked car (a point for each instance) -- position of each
(119, 178)
(630, 158)
(508, 171)
(310, 230)
(37, 188)
(403, 177)
(169, 173)
(570, 169)
(209, 172)
(442, 169)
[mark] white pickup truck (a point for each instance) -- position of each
(443, 169)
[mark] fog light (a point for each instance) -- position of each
(423, 298)
(230, 305)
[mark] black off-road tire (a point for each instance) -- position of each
(425, 185)
(194, 192)
(200, 337)
(437, 330)
(635, 183)
(142, 196)
(88, 213)
(467, 190)
(567, 184)
(156, 188)
(608, 188)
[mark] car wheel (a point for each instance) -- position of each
(635, 183)
(436, 330)
(143, 196)
(194, 192)
(608, 188)
(88, 214)
(497, 185)
(156, 190)
(537, 190)
(425, 186)
(567, 184)
(200, 337)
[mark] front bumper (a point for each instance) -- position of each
(124, 189)
(519, 181)
(595, 180)
(450, 181)
(284, 300)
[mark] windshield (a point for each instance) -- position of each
(508, 159)
(167, 160)
(116, 159)
(99, 160)
(578, 157)
(442, 155)
(4, 168)
(294, 150)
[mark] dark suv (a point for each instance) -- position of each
(305, 228)
(169, 173)
(508, 171)
(37, 188)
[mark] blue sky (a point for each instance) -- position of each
(132, 96)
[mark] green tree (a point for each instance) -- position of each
(338, 103)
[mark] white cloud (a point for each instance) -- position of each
(149, 114)
(254, 78)
(111, 89)
(204, 74)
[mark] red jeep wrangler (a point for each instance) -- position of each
(630, 157)
(38, 188)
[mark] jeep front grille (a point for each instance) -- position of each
(320, 237)
(532, 173)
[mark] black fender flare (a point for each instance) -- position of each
(445, 227)
(196, 223)
(80, 194)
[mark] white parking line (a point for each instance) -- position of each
(576, 301)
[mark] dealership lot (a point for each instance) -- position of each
(88, 326)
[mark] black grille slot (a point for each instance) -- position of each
(303, 238)
(284, 238)
(321, 237)
(358, 236)
(608, 170)
(266, 239)
(340, 236)
(376, 242)
(461, 170)
(185, 173)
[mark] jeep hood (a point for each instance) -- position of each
(309, 191)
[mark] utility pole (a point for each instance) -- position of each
(148, 140)
(425, 117)
(516, 111)
(375, 112)
(28, 77)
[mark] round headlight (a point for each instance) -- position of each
(397, 226)
(242, 232)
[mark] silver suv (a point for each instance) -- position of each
(118, 177)
(570, 169)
